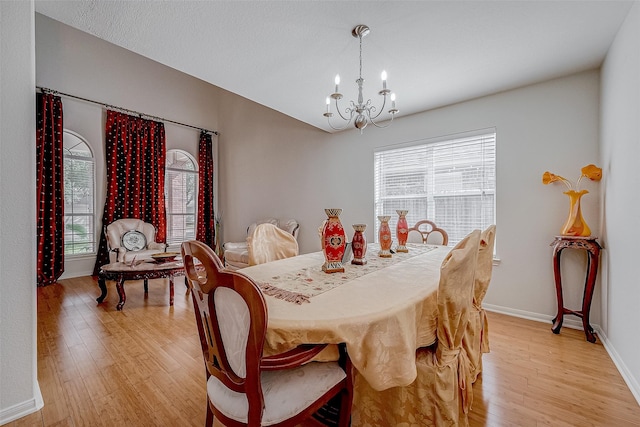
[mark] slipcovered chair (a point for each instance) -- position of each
(442, 392)
(476, 338)
(131, 237)
(270, 243)
(426, 231)
(244, 387)
(236, 254)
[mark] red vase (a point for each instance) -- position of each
(402, 231)
(359, 244)
(333, 242)
(384, 236)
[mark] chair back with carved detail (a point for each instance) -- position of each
(426, 231)
(245, 388)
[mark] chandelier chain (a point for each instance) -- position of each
(360, 37)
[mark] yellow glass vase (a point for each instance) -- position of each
(575, 224)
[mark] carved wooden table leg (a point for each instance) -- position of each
(103, 288)
(171, 290)
(557, 321)
(120, 289)
(590, 281)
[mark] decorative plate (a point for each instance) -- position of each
(134, 240)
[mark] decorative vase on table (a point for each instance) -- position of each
(402, 231)
(359, 244)
(575, 224)
(333, 242)
(384, 236)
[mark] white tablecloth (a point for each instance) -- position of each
(383, 317)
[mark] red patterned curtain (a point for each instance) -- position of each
(135, 153)
(49, 191)
(206, 223)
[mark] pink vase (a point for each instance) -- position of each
(359, 244)
(402, 231)
(333, 242)
(384, 236)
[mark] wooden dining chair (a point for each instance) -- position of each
(269, 243)
(244, 387)
(476, 338)
(426, 231)
(442, 391)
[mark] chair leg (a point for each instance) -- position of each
(347, 394)
(344, 419)
(209, 421)
(146, 286)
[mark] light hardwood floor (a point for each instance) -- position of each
(143, 366)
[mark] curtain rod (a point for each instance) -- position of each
(126, 110)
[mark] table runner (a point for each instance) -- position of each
(299, 286)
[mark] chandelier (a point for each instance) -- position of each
(364, 112)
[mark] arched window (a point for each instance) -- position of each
(181, 193)
(79, 196)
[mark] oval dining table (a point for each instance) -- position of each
(382, 311)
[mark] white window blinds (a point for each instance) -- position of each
(79, 196)
(451, 182)
(181, 185)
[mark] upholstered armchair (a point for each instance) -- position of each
(131, 237)
(236, 254)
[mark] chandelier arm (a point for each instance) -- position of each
(384, 102)
(348, 110)
(381, 126)
(337, 128)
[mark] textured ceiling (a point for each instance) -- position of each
(285, 54)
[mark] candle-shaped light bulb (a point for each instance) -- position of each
(393, 101)
(384, 79)
(328, 103)
(337, 82)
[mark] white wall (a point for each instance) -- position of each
(19, 393)
(73, 62)
(270, 169)
(620, 152)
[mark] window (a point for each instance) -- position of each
(451, 182)
(181, 196)
(79, 178)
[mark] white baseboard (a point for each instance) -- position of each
(22, 409)
(628, 378)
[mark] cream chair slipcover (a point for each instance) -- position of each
(441, 394)
(236, 254)
(117, 229)
(269, 243)
(244, 387)
(476, 338)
